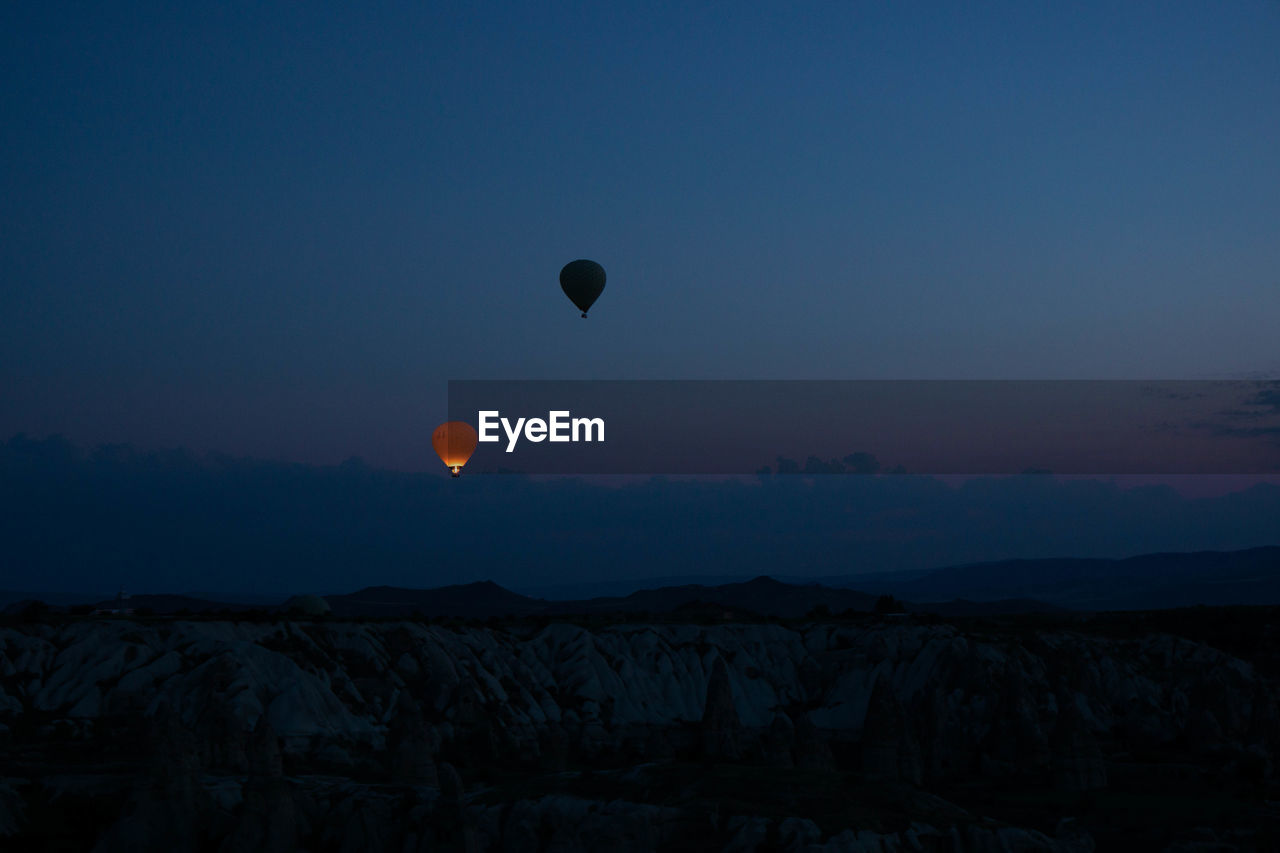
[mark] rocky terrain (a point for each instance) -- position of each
(879, 734)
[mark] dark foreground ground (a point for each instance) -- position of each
(1048, 732)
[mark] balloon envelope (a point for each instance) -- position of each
(454, 442)
(582, 281)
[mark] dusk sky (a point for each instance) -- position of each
(278, 231)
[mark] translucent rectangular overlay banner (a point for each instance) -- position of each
(940, 427)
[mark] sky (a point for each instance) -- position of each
(279, 230)
(78, 520)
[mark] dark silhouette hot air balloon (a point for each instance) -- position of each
(454, 442)
(582, 281)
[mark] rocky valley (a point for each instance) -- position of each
(872, 733)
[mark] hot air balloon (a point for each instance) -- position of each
(454, 442)
(582, 281)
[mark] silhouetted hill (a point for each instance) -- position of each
(168, 604)
(622, 587)
(480, 600)
(56, 599)
(961, 608)
(1150, 581)
(763, 595)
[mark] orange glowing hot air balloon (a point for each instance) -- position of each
(454, 442)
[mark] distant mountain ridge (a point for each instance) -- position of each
(762, 596)
(479, 600)
(1147, 582)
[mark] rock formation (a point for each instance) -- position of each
(889, 751)
(1077, 759)
(268, 735)
(721, 728)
